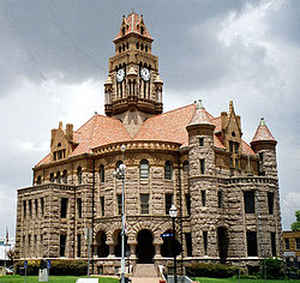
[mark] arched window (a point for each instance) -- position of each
(65, 177)
(119, 163)
(137, 45)
(123, 30)
(79, 175)
(144, 169)
(186, 166)
(168, 170)
(58, 177)
(101, 173)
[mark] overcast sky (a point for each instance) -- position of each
(54, 58)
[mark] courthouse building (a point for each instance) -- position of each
(225, 190)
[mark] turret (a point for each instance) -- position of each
(201, 184)
(264, 144)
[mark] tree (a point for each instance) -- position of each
(296, 225)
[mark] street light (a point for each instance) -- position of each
(119, 173)
(173, 215)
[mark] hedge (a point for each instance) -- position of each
(58, 267)
(199, 269)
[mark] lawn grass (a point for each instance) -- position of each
(235, 280)
(52, 279)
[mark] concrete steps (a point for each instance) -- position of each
(144, 271)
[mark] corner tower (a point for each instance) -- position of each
(133, 89)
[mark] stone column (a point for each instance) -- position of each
(157, 245)
(111, 248)
(132, 246)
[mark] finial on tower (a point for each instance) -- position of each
(262, 121)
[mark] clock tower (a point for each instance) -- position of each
(133, 89)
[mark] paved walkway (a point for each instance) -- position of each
(145, 280)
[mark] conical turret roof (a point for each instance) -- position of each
(201, 117)
(262, 133)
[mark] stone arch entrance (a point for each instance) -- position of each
(102, 249)
(167, 249)
(118, 244)
(223, 243)
(145, 249)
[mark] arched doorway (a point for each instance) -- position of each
(167, 249)
(145, 249)
(223, 242)
(118, 244)
(102, 249)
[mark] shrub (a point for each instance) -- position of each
(198, 269)
(272, 268)
(58, 267)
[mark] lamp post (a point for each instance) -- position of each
(173, 215)
(119, 173)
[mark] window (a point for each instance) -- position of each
(236, 163)
(102, 205)
(62, 245)
(119, 200)
(234, 147)
(144, 203)
(186, 167)
(35, 240)
(79, 207)
(79, 175)
(188, 204)
(36, 205)
(144, 169)
(189, 245)
(273, 243)
(251, 243)
(168, 202)
(202, 166)
(271, 202)
(52, 177)
(24, 208)
(58, 177)
(297, 243)
(30, 207)
(249, 202)
(78, 245)
(201, 141)
(205, 242)
(65, 177)
(287, 243)
(63, 207)
(220, 199)
(29, 240)
(203, 197)
(168, 170)
(42, 206)
(39, 180)
(102, 173)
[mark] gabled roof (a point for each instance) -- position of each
(167, 127)
(263, 133)
(133, 24)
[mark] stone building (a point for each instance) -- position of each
(225, 190)
(291, 247)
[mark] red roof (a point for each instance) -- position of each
(169, 127)
(133, 24)
(262, 133)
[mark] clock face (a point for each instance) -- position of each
(145, 74)
(120, 75)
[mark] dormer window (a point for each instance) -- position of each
(142, 30)
(233, 134)
(59, 144)
(123, 30)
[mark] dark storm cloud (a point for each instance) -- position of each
(74, 38)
